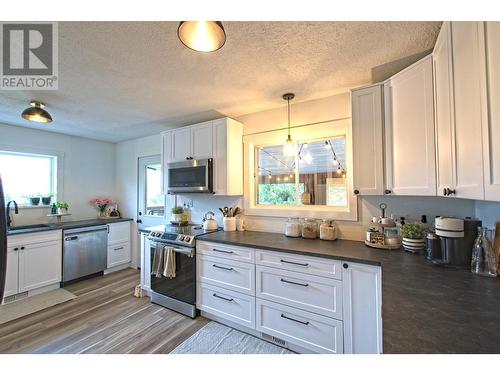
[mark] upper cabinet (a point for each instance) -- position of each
(409, 131)
(491, 127)
(367, 135)
(220, 140)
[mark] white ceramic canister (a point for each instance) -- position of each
(229, 224)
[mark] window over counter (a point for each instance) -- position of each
(313, 181)
(29, 177)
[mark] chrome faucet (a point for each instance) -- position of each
(7, 212)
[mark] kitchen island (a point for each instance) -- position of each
(425, 309)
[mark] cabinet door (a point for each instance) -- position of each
(467, 107)
(362, 300)
(491, 128)
(409, 125)
(443, 99)
(367, 123)
(181, 144)
(39, 265)
(12, 274)
(119, 232)
(145, 263)
(119, 254)
(202, 141)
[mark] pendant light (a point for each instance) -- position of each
(202, 36)
(288, 146)
(36, 112)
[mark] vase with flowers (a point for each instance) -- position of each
(101, 203)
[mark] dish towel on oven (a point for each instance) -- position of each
(169, 259)
(157, 267)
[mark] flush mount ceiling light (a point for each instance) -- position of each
(288, 145)
(36, 112)
(202, 36)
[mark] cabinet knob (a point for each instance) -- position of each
(356, 191)
(22, 247)
(387, 191)
(16, 248)
(345, 265)
(448, 192)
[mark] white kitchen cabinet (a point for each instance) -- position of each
(443, 99)
(362, 308)
(119, 249)
(220, 140)
(467, 72)
(34, 261)
(367, 136)
(12, 272)
(409, 131)
(228, 157)
(40, 264)
(181, 144)
(491, 125)
(145, 263)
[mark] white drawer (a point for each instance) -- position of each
(226, 304)
(300, 263)
(230, 274)
(320, 295)
(118, 254)
(311, 331)
(118, 232)
(239, 253)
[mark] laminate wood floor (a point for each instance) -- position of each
(104, 318)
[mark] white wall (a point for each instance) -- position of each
(88, 169)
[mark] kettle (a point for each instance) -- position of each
(209, 223)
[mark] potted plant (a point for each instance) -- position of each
(177, 214)
(34, 199)
(46, 199)
(101, 204)
(62, 207)
(413, 237)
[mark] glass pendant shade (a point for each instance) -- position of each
(288, 147)
(36, 113)
(202, 36)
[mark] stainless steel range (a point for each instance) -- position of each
(173, 267)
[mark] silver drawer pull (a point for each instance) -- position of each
(223, 251)
(294, 320)
(223, 268)
(295, 263)
(118, 248)
(293, 282)
(224, 298)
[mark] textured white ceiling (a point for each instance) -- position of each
(123, 80)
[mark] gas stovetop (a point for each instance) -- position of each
(182, 235)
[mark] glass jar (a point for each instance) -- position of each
(310, 228)
(293, 228)
(327, 230)
(483, 260)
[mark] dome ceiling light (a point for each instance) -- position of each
(202, 36)
(36, 112)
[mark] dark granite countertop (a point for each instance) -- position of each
(425, 309)
(64, 225)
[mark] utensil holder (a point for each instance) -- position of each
(229, 224)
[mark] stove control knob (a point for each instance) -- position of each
(187, 239)
(181, 238)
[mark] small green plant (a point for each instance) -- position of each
(62, 205)
(413, 231)
(177, 210)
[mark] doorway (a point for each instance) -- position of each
(150, 200)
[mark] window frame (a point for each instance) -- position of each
(58, 179)
(334, 128)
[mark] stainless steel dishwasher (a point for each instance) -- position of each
(84, 252)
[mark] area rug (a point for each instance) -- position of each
(30, 305)
(215, 338)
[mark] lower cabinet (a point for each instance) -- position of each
(306, 303)
(303, 328)
(33, 261)
(119, 254)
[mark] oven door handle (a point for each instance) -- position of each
(182, 250)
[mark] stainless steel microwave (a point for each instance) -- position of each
(190, 176)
